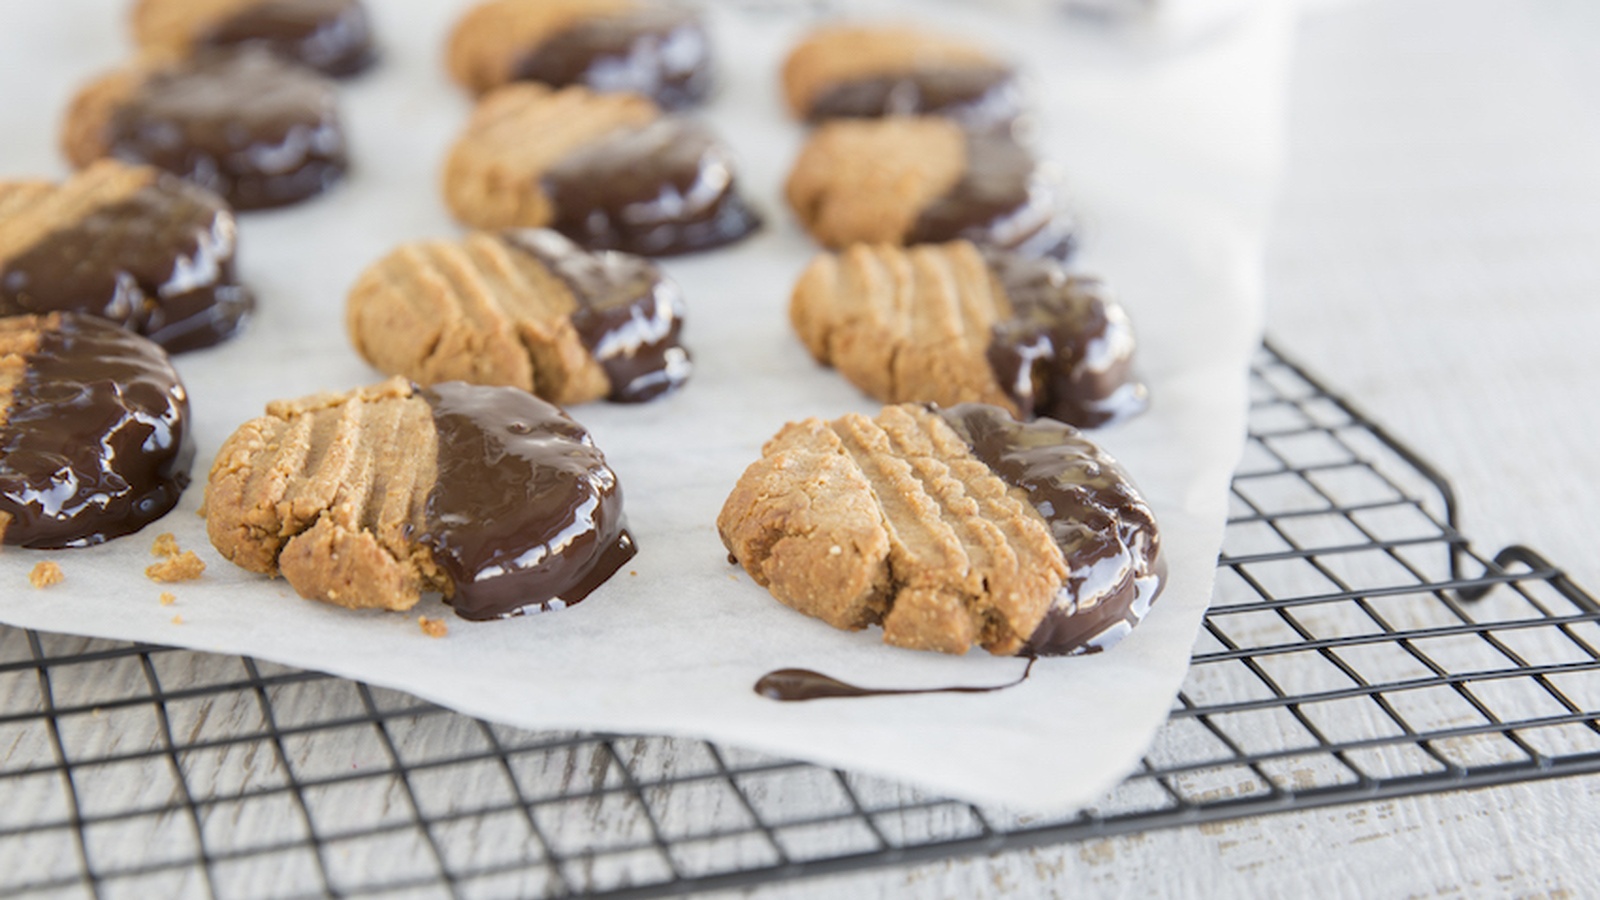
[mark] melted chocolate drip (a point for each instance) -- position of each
(795, 685)
(662, 189)
(526, 516)
(1068, 351)
(259, 131)
(977, 97)
(331, 36)
(95, 443)
(1104, 528)
(159, 262)
(1001, 201)
(661, 53)
(629, 315)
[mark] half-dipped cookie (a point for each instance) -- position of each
(948, 324)
(658, 50)
(131, 244)
(94, 434)
(260, 131)
(949, 528)
(528, 309)
(369, 498)
(331, 36)
(609, 171)
(868, 71)
(916, 180)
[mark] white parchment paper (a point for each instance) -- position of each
(1168, 153)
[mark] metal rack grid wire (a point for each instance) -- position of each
(1357, 649)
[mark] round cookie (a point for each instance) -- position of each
(653, 49)
(868, 71)
(527, 309)
(331, 36)
(131, 244)
(609, 171)
(94, 434)
(948, 324)
(257, 130)
(917, 180)
(368, 498)
(949, 529)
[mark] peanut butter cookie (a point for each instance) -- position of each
(331, 36)
(949, 529)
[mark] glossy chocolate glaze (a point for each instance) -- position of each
(795, 685)
(662, 189)
(629, 314)
(95, 443)
(257, 130)
(1002, 201)
(978, 97)
(659, 52)
(332, 36)
(159, 262)
(526, 516)
(1067, 352)
(1103, 526)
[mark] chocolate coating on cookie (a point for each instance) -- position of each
(158, 260)
(978, 97)
(658, 52)
(259, 131)
(331, 36)
(1067, 350)
(525, 515)
(629, 316)
(1104, 528)
(1001, 201)
(661, 189)
(94, 439)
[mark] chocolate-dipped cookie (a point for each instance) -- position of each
(94, 436)
(608, 171)
(868, 71)
(653, 49)
(368, 498)
(331, 36)
(528, 309)
(260, 131)
(949, 529)
(948, 324)
(131, 244)
(916, 180)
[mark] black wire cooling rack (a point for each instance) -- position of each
(1357, 649)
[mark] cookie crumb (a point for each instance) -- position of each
(434, 628)
(45, 574)
(167, 598)
(177, 620)
(185, 566)
(166, 546)
(634, 573)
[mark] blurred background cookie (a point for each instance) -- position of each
(915, 180)
(609, 171)
(947, 324)
(658, 50)
(131, 244)
(528, 309)
(868, 71)
(331, 36)
(368, 498)
(94, 435)
(949, 529)
(257, 130)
